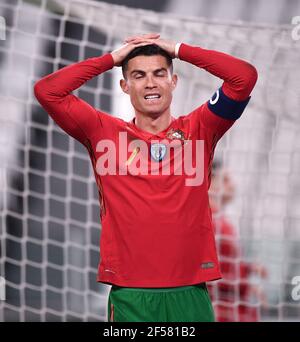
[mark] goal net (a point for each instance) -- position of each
(49, 218)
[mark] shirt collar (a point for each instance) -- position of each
(149, 135)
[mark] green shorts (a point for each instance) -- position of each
(177, 304)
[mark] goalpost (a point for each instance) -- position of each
(49, 218)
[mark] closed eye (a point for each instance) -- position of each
(137, 74)
(161, 73)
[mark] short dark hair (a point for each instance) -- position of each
(147, 50)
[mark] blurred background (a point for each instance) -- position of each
(49, 212)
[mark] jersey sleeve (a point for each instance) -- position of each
(228, 103)
(54, 92)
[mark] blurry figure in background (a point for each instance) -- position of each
(235, 298)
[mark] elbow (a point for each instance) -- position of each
(251, 76)
(242, 86)
(38, 89)
(42, 90)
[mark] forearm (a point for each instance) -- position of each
(62, 82)
(75, 116)
(239, 76)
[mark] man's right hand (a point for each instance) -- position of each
(120, 54)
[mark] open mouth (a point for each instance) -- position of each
(150, 97)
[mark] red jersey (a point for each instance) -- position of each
(156, 230)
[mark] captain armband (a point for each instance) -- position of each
(225, 107)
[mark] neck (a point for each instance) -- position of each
(153, 124)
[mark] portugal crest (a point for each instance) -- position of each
(158, 151)
(175, 134)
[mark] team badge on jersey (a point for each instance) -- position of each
(158, 151)
(175, 134)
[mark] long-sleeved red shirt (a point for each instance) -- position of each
(156, 230)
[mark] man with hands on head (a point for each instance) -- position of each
(157, 246)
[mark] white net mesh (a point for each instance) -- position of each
(49, 219)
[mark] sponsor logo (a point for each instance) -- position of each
(207, 265)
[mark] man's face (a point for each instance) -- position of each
(150, 84)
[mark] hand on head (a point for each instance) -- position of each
(142, 37)
(141, 40)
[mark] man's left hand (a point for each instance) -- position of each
(167, 45)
